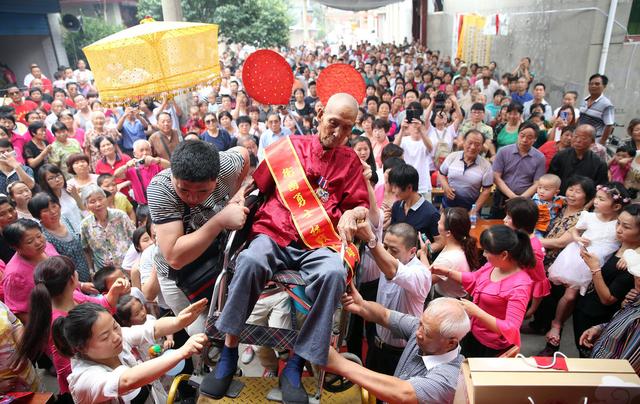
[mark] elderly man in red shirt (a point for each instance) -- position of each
(336, 176)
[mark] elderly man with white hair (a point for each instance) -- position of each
(429, 366)
(141, 169)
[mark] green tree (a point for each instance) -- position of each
(93, 29)
(257, 22)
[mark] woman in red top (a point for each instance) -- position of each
(110, 160)
(500, 291)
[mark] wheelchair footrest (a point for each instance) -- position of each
(277, 338)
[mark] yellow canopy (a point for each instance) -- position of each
(154, 59)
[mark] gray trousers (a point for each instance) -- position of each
(325, 279)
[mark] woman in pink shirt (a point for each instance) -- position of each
(25, 236)
(522, 214)
(500, 291)
(56, 292)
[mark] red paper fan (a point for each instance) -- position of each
(267, 77)
(340, 78)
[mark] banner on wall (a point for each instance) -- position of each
(475, 36)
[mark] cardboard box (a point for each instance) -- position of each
(514, 380)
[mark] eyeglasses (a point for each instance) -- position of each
(13, 92)
(209, 121)
(55, 177)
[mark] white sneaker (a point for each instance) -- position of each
(247, 355)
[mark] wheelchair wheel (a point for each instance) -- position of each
(336, 383)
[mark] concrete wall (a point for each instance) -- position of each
(25, 50)
(564, 40)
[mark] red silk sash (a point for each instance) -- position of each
(309, 217)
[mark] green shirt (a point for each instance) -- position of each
(506, 138)
(60, 153)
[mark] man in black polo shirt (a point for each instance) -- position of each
(579, 159)
(411, 207)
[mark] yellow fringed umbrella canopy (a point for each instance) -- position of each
(154, 59)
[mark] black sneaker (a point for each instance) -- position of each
(214, 387)
(292, 394)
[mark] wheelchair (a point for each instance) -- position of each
(279, 339)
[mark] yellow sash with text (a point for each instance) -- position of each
(309, 217)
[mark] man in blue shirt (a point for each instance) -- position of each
(411, 207)
(132, 124)
(522, 95)
(429, 366)
(273, 134)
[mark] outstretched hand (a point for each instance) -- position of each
(189, 314)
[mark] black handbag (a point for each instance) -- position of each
(197, 279)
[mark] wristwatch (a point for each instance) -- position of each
(373, 242)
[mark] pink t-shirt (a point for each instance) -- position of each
(147, 173)
(18, 281)
(541, 286)
(506, 300)
(61, 362)
(618, 173)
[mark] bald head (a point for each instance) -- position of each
(587, 130)
(337, 120)
(343, 102)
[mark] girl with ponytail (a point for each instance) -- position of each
(460, 252)
(500, 291)
(56, 292)
(522, 214)
(104, 365)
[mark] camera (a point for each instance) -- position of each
(439, 100)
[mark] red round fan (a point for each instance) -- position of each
(340, 78)
(267, 77)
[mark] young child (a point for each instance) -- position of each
(620, 164)
(595, 232)
(131, 311)
(548, 201)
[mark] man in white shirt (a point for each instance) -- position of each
(487, 85)
(403, 287)
(539, 91)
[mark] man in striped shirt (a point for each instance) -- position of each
(596, 110)
(430, 363)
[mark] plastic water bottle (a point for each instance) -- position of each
(473, 217)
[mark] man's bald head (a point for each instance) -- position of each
(337, 120)
(343, 101)
(587, 130)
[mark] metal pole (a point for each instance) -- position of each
(171, 10)
(607, 36)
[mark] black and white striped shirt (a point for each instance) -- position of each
(166, 206)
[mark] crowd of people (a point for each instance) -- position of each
(104, 209)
